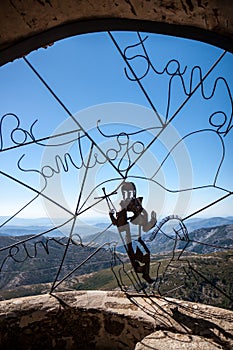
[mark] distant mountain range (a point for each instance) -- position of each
(205, 235)
(21, 226)
(202, 241)
(216, 231)
(26, 222)
(194, 224)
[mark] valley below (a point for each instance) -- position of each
(199, 270)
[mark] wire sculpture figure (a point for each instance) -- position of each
(130, 203)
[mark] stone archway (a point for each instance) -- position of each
(27, 28)
(28, 25)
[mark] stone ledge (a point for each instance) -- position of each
(110, 320)
(72, 320)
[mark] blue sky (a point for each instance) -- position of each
(91, 78)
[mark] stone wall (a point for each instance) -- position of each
(30, 24)
(110, 320)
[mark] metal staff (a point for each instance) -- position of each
(108, 200)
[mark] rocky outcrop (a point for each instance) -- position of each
(111, 320)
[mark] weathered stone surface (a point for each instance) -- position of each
(175, 341)
(74, 320)
(26, 19)
(194, 327)
(110, 320)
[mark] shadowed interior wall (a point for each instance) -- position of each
(29, 24)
